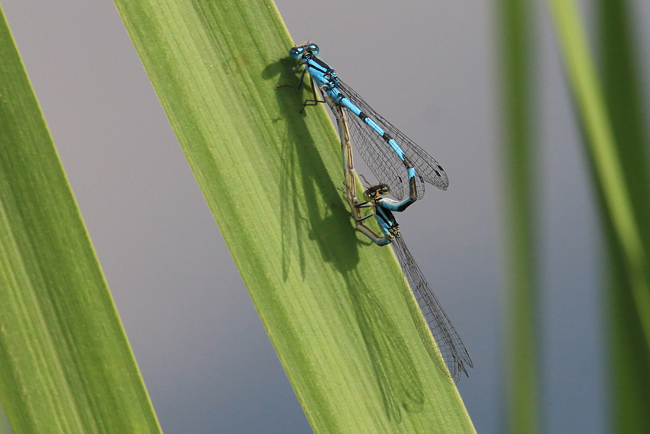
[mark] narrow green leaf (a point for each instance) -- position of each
(625, 204)
(623, 92)
(605, 159)
(65, 363)
(521, 326)
(333, 305)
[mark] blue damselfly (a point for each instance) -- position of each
(386, 150)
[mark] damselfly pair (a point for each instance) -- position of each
(399, 164)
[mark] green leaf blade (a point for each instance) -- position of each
(333, 305)
(616, 143)
(521, 327)
(65, 363)
(622, 88)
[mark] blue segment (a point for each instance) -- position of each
(397, 149)
(411, 172)
(346, 103)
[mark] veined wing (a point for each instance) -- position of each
(452, 350)
(382, 160)
(425, 165)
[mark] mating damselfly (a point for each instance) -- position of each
(386, 150)
(452, 350)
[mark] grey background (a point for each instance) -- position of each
(428, 66)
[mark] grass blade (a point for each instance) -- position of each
(517, 102)
(605, 159)
(617, 169)
(631, 354)
(332, 304)
(65, 363)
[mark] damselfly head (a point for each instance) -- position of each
(375, 191)
(299, 51)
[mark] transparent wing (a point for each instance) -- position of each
(425, 165)
(452, 350)
(380, 157)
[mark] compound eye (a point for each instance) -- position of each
(314, 49)
(295, 52)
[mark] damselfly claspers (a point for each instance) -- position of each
(386, 150)
(452, 350)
